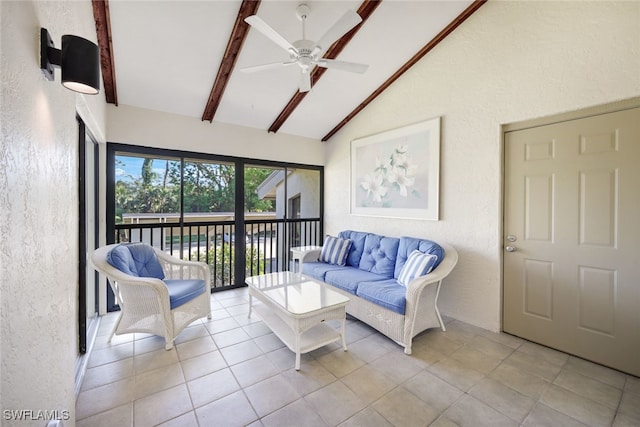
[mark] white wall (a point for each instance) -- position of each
(303, 182)
(511, 61)
(39, 205)
(136, 126)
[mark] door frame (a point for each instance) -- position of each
(86, 142)
(612, 107)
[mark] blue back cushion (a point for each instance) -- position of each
(410, 244)
(357, 246)
(379, 255)
(136, 259)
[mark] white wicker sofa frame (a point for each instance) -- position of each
(421, 311)
(144, 301)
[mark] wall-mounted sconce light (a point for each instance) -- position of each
(79, 60)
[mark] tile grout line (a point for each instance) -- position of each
(467, 338)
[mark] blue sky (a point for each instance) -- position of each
(126, 165)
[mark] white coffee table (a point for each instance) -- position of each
(295, 307)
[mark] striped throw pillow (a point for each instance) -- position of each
(335, 250)
(418, 264)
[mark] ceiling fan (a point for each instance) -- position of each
(307, 53)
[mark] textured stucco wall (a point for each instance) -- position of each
(39, 205)
(510, 61)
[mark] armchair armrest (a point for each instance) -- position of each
(176, 268)
(119, 280)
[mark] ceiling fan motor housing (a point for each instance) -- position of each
(304, 47)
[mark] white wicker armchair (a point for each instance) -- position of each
(145, 302)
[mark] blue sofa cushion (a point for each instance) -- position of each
(357, 246)
(350, 278)
(335, 250)
(182, 291)
(317, 269)
(418, 264)
(387, 293)
(379, 255)
(410, 244)
(136, 259)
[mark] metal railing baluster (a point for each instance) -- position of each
(269, 255)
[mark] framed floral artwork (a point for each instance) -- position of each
(396, 173)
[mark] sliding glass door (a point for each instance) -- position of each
(240, 216)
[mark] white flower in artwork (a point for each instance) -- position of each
(395, 171)
(402, 161)
(402, 149)
(383, 165)
(372, 184)
(400, 177)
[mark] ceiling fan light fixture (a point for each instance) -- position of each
(305, 63)
(307, 53)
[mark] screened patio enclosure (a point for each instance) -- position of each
(240, 216)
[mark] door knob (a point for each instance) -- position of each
(510, 248)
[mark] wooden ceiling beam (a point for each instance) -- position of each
(417, 57)
(366, 9)
(107, 64)
(236, 40)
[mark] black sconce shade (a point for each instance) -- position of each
(79, 60)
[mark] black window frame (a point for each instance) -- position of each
(240, 163)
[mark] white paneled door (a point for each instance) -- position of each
(572, 237)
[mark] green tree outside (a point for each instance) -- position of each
(207, 187)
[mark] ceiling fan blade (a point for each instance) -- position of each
(305, 81)
(349, 20)
(256, 22)
(262, 67)
(342, 65)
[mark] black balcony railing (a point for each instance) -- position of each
(266, 244)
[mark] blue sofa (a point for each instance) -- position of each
(380, 294)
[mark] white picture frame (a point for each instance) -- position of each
(397, 173)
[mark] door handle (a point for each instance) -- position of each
(510, 248)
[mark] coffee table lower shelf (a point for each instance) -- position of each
(301, 341)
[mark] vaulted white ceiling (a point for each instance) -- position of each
(166, 55)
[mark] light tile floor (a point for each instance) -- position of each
(232, 371)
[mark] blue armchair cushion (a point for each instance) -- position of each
(182, 291)
(335, 250)
(418, 264)
(136, 259)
